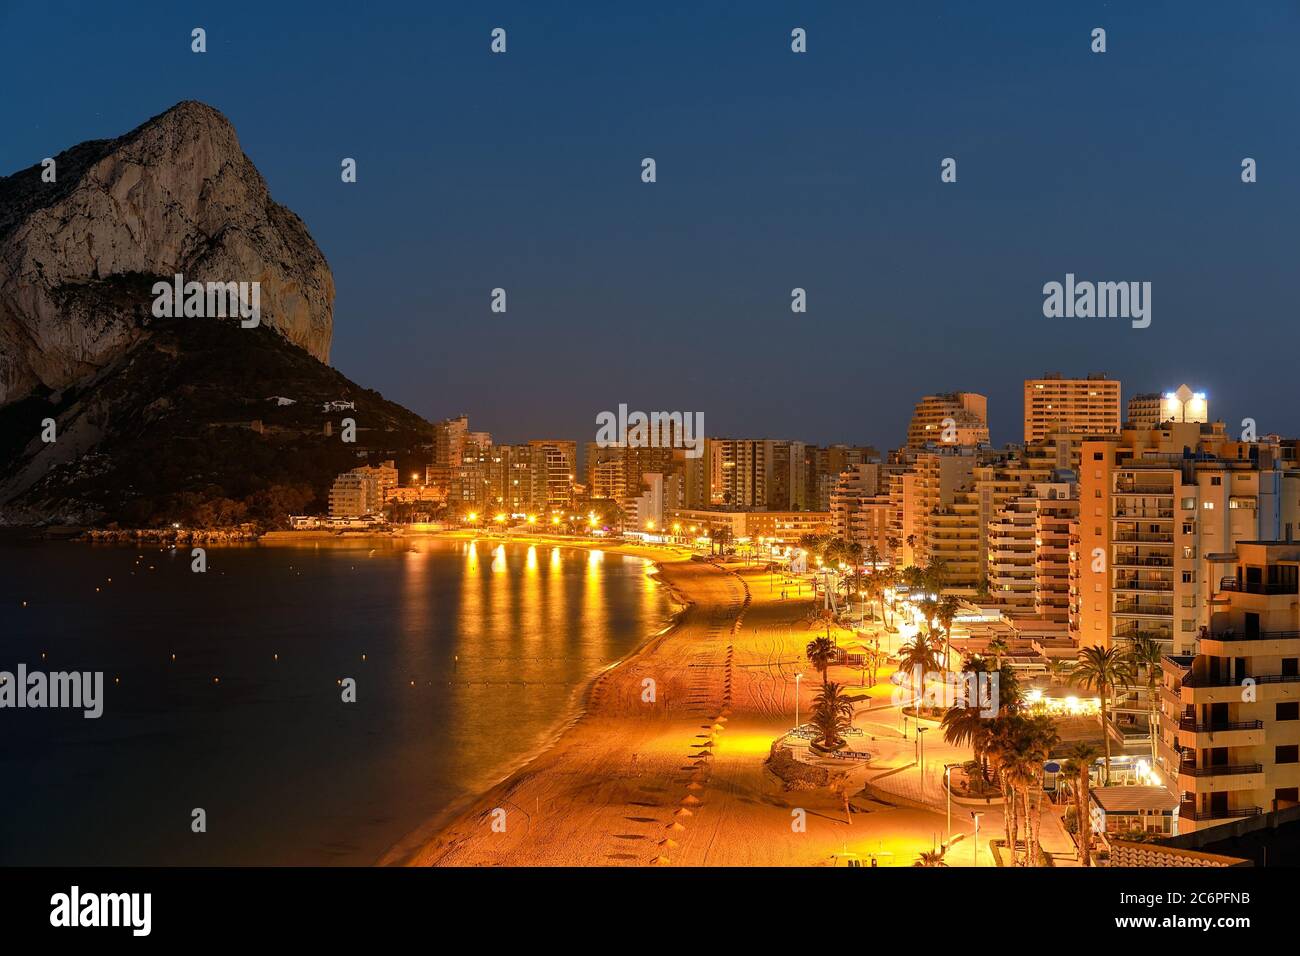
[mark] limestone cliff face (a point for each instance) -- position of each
(175, 195)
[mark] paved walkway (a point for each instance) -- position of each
(895, 772)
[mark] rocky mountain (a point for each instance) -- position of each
(158, 420)
(175, 195)
(200, 422)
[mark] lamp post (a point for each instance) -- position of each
(947, 785)
(977, 816)
(797, 678)
(920, 759)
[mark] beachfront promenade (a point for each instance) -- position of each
(667, 767)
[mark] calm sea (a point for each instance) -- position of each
(466, 657)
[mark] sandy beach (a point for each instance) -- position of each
(681, 779)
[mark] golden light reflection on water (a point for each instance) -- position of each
(528, 637)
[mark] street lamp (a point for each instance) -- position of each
(797, 679)
(947, 785)
(920, 759)
(977, 815)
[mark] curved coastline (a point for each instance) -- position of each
(408, 850)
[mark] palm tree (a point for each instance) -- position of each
(821, 655)
(946, 612)
(936, 575)
(1040, 739)
(1017, 747)
(1102, 670)
(1081, 757)
(832, 715)
(1146, 653)
(964, 727)
(931, 857)
(1001, 750)
(918, 656)
(997, 648)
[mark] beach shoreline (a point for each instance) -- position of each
(406, 851)
(400, 853)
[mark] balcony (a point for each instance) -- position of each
(1146, 537)
(1144, 610)
(1134, 584)
(1133, 489)
(1257, 587)
(1189, 723)
(1189, 811)
(1139, 561)
(1242, 733)
(1246, 776)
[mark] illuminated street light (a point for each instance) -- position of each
(797, 679)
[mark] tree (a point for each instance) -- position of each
(821, 655)
(997, 648)
(1081, 756)
(888, 580)
(1000, 748)
(1017, 747)
(918, 656)
(919, 652)
(832, 716)
(932, 857)
(1146, 653)
(1102, 670)
(945, 614)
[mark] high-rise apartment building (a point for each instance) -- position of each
(554, 468)
(1160, 513)
(1089, 406)
(449, 441)
(1230, 712)
(362, 491)
(962, 417)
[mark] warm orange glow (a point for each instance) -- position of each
(532, 519)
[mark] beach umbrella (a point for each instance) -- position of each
(675, 826)
(660, 861)
(682, 812)
(690, 800)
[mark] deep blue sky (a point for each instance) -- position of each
(775, 170)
